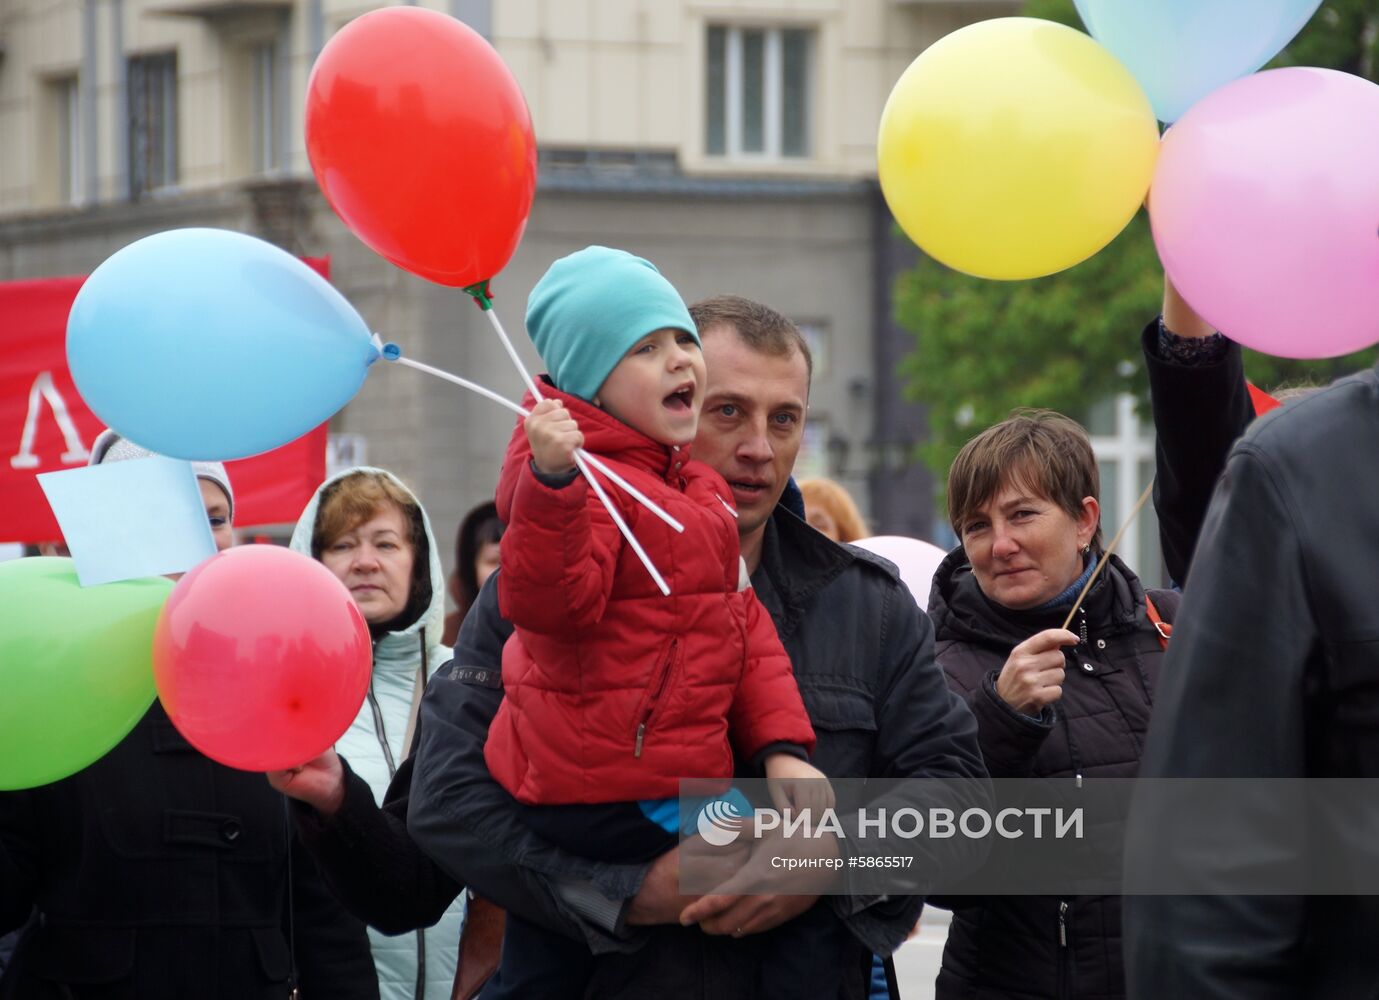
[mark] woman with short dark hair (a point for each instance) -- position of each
(1049, 702)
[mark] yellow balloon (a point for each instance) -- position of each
(1015, 147)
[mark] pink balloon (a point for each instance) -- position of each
(916, 560)
(261, 658)
(1265, 210)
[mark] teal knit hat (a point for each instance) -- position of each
(588, 310)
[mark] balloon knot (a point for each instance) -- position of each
(391, 351)
(376, 348)
(483, 298)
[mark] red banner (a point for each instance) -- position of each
(45, 425)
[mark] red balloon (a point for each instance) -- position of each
(261, 658)
(422, 143)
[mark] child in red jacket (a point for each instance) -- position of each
(614, 692)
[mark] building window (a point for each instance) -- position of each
(1125, 459)
(758, 92)
(152, 123)
(812, 460)
(265, 117)
(66, 101)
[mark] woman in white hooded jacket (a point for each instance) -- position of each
(373, 534)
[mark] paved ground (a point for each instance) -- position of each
(917, 961)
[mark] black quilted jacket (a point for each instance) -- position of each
(1044, 946)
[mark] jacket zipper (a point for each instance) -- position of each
(655, 697)
(381, 734)
(1064, 956)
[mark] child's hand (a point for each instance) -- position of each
(554, 436)
(798, 785)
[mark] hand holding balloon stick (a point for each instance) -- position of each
(583, 459)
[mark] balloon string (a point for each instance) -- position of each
(472, 386)
(512, 353)
(1139, 504)
(521, 411)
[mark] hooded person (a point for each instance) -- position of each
(158, 872)
(370, 530)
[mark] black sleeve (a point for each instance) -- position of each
(331, 946)
(19, 852)
(923, 730)
(473, 828)
(370, 861)
(1248, 607)
(1010, 739)
(1199, 413)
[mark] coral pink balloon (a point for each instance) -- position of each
(261, 658)
(1265, 210)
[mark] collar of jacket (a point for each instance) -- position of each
(799, 562)
(961, 611)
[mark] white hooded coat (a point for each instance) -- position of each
(377, 741)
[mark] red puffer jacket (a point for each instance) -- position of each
(613, 692)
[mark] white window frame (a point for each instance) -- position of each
(1128, 447)
(263, 108)
(772, 95)
(68, 153)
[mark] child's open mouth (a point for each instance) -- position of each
(681, 400)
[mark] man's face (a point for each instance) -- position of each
(752, 422)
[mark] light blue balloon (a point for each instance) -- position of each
(1182, 50)
(208, 344)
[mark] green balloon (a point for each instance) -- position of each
(76, 669)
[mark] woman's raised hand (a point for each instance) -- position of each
(1033, 673)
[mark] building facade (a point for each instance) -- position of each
(733, 143)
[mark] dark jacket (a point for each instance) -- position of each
(863, 660)
(1273, 671)
(159, 873)
(1199, 412)
(1044, 946)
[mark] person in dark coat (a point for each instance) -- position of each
(1271, 675)
(861, 651)
(158, 873)
(1048, 701)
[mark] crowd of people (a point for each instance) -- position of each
(500, 819)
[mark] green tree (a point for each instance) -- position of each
(983, 348)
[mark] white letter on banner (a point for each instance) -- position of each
(941, 824)
(1038, 812)
(43, 388)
